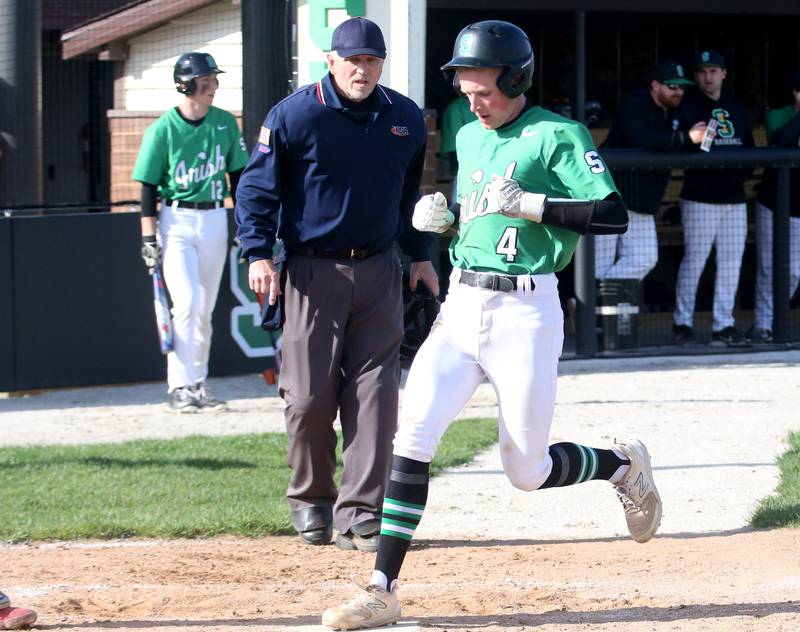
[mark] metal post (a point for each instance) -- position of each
(266, 60)
(585, 328)
(780, 259)
(20, 102)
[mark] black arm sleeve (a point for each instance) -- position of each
(149, 200)
(233, 179)
(594, 217)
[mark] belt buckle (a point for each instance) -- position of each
(504, 284)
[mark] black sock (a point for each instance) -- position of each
(573, 464)
(406, 495)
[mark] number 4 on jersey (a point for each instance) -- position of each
(508, 244)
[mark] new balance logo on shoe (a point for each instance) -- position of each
(637, 492)
(641, 484)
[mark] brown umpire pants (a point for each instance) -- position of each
(341, 341)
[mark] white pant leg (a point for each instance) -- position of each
(729, 243)
(443, 375)
(520, 356)
(638, 249)
(763, 290)
(192, 261)
(764, 304)
(794, 254)
(605, 252)
(212, 249)
(699, 226)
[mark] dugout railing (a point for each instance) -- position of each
(627, 161)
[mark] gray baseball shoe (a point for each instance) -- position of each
(205, 400)
(637, 492)
(370, 608)
(183, 400)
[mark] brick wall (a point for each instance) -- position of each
(126, 129)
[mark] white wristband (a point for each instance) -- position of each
(531, 206)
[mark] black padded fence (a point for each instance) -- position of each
(78, 307)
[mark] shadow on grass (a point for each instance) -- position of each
(112, 462)
(775, 513)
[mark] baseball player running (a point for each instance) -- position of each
(530, 183)
(183, 160)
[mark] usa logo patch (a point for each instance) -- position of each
(399, 131)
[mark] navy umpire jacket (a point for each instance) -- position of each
(331, 174)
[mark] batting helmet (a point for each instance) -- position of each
(420, 308)
(190, 66)
(494, 44)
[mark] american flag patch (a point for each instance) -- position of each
(399, 131)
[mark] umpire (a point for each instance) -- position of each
(335, 175)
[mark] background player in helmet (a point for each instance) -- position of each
(530, 182)
(183, 160)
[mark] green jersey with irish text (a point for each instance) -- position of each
(189, 162)
(545, 153)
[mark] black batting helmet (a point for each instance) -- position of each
(494, 44)
(420, 308)
(190, 66)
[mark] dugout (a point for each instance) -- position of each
(588, 54)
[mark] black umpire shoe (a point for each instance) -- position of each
(361, 537)
(314, 524)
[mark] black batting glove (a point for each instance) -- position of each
(151, 252)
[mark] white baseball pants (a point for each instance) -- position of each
(725, 227)
(630, 255)
(512, 338)
(195, 244)
(763, 310)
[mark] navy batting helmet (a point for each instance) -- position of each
(420, 308)
(494, 44)
(190, 66)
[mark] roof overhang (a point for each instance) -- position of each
(106, 32)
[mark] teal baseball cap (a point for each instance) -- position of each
(670, 73)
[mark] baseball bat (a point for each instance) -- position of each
(166, 336)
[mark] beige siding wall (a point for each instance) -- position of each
(147, 83)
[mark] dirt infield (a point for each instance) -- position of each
(721, 583)
(486, 556)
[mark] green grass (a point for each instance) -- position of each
(189, 487)
(783, 509)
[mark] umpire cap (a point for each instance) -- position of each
(494, 44)
(358, 36)
(190, 66)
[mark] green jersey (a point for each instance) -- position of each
(189, 162)
(545, 153)
(779, 117)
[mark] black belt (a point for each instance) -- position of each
(490, 281)
(347, 254)
(198, 206)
